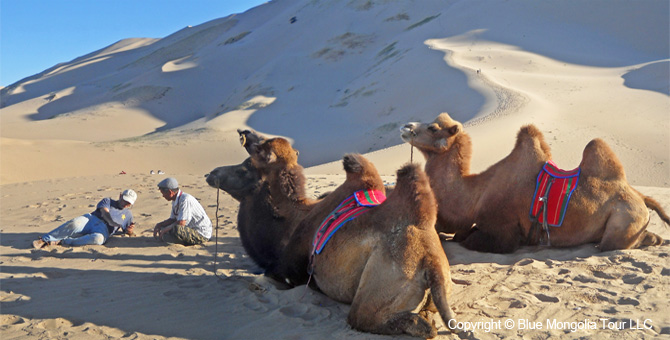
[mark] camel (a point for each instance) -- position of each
(278, 164)
(263, 232)
(387, 262)
(604, 208)
(259, 226)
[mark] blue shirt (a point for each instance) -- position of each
(121, 216)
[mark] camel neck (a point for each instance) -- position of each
(455, 161)
(288, 190)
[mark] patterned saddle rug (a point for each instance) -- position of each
(553, 190)
(352, 207)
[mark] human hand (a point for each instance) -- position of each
(164, 231)
(130, 230)
(157, 230)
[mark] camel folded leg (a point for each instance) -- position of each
(385, 302)
(651, 239)
(626, 229)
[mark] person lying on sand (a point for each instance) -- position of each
(188, 223)
(110, 217)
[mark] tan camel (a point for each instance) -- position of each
(603, 209)
(387, 263)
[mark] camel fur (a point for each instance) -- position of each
(604, 208)
(387, 263)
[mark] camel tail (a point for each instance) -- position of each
(655, 206)
(438, 282)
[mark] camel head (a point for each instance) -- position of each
(433, 137)
(275, 152)
(239, 180)
(249, 138)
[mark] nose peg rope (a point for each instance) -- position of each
(216, 242)
(411, 149)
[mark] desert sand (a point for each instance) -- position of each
(578, 70)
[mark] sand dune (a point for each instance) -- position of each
(358, 71)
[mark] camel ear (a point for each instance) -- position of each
(455, 129)
(270, 157)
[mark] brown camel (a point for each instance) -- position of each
(603, 209)
(263, 232)
(277, 161)
(387, 263)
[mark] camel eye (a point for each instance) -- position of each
(433, 128)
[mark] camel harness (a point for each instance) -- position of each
(553, 190)
(355, 205)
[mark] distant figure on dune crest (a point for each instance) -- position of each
(110, 217)
(510, 202)
(188, 223)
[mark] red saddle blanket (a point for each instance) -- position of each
(352, 207)
(555, 186)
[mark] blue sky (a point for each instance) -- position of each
(38, 34)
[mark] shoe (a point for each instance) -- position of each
(39, 243)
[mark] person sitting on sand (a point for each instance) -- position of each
(188, 223)
(110, 217)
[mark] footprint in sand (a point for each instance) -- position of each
(611, 311)
(517, 304)
(603, 275)
(546, 298)
(632, 279)
(301, 311)
(628, 301)
(584, 279)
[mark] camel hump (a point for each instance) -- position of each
(530, 136)
(599, 160)
(353, 162)
(410, 171)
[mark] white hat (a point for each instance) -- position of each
(129, 196)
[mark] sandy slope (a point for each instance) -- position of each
(360, 70)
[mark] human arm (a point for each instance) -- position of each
(107, 218)
(164, 227)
